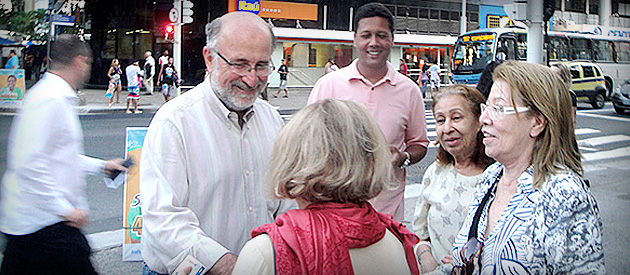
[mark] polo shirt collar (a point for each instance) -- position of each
(390, 76)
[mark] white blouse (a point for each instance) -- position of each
(442, 207)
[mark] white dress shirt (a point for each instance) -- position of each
(202, 179)
(45, 172)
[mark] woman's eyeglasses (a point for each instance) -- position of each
(471, 251)
(496, 111)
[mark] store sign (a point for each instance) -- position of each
(252, 6)
(276, 9)
(607, 31)
(475, 38)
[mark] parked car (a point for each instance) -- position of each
(588, 83)
(621, 97)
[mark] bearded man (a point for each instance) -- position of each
(205, 155)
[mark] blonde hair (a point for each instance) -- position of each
(545, 94)
(332, 150)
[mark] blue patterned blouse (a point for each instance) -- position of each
(554, 230)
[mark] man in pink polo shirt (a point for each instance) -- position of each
(393, 99)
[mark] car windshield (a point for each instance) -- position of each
(472, 53)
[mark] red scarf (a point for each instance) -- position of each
(316, 240)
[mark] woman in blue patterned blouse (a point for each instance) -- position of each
(536, 215)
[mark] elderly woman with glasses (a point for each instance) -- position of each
(532, 213)
(331, 158)
(450, 182)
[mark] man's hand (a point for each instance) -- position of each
(77, 218)
(398, 158)
(114, 165)
(224, 265)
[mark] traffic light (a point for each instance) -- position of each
(169, 32)
(187, 11)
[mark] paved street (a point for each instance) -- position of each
(604, 139)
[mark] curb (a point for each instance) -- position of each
(105, 240)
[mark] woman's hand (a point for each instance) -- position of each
(427, 262)
(448, 259)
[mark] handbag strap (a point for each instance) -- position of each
(472, 233)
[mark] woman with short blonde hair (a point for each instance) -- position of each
(331, 158)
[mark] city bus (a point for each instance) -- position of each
(475, 49)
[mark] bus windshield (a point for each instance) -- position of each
(472, 52)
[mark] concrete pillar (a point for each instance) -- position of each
(462, 25)
(535, 31)
(605, 10)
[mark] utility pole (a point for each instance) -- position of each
(185, 12)
(535, 31)
(462, 25)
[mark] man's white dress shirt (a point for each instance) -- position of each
(45, 169)
(202, 179)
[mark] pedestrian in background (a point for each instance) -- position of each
(424, 80)
(392, 98)
(204, 160)
(133, 73)
(403, 68)
(450, 182)
(163, 60)
(149, 72)
(331, 158)
(169, 80)
(434, 73)
(330, 66)
(485, 80)
(13, 62)
(283, 71)
(114, 74)
(42, 199)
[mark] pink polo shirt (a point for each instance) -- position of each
(396, 103)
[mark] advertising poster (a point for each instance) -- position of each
(12, 86)
(132, 215)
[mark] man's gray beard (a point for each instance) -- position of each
(226, 95)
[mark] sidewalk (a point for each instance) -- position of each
(93, 101)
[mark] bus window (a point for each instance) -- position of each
(558, 48)
(472, 53)
(522, 46)
(623, 51)
(506, 48)
(580, 49)
(603, 50)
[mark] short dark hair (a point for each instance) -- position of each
(11, 76)
(65, 48)
(13, 51)
(371, 10)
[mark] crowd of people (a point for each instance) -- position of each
(227, 186)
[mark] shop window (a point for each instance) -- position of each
(423, 13)
(434, 14)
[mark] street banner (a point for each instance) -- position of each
(132, 215)
(12, 86)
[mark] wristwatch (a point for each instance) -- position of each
(407, 161)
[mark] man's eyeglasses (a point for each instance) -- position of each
(243, 69)
(496, 111)
(471, 251)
